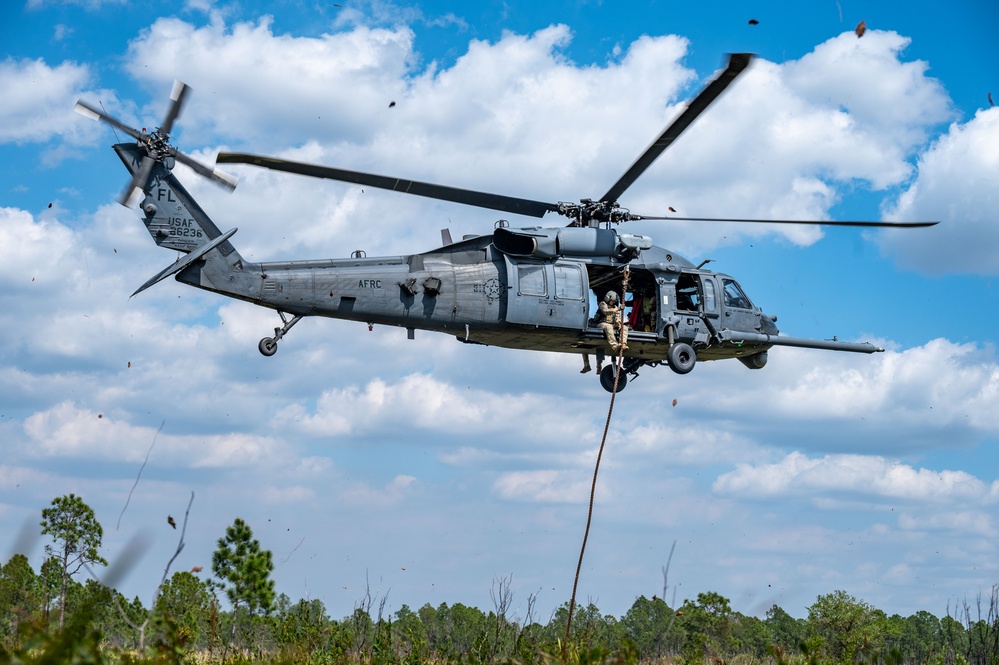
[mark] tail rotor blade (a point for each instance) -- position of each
(130, 196)
(217, 176)
(177, 97)
(85, 109)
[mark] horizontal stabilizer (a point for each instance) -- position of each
(184, 262)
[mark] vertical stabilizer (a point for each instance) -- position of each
(171, 215)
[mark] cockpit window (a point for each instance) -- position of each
(734, 297)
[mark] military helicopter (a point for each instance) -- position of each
(520, 288)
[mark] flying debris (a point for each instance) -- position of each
(171, 521)
(674, 402)
(672, 209)
(860, 29)
(391, 104)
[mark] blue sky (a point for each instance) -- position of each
(431, 467)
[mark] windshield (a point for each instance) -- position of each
(734, 296)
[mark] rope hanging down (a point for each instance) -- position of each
(600, 452)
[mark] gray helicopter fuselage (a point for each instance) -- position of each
(479, 295)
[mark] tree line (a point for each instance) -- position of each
(235, 614)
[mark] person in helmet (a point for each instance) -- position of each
(609, 316)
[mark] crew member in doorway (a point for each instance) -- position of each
(609, 316)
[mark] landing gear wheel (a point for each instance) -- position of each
(268, 346)
(681, 358)
(607, 378)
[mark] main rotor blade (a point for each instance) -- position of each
(442, 192)
(177, 96)
(811, 222)
(86, 109)
(737, 63)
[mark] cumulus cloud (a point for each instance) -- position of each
(893, 104)
(956, 186)
(904, 399)
(37, 249)
(38, 106)
(798, 475)
(331, 86)
(429, 405)
(67, 431)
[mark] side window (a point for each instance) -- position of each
(709, 294)
(531, 280)
(568, 283)
(687, 297)
(734, 297)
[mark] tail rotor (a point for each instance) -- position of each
(155, 147)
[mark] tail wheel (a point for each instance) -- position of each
(607, 378)
(681, 358)
(268, 346)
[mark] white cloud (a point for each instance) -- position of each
(545, 486)
(971, 521)
(893, 104)
(38, 102)
(863, 475)
(36, 251)
(423, 404)
(331, 86)
(904, 399)
(956, 185)
(693, 445)
(67, 431)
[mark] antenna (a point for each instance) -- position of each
(117, 139)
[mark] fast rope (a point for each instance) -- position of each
(600, 452)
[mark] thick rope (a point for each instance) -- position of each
(593, 486)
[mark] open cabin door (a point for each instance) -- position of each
(546, 294)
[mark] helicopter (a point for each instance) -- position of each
(529, 288)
